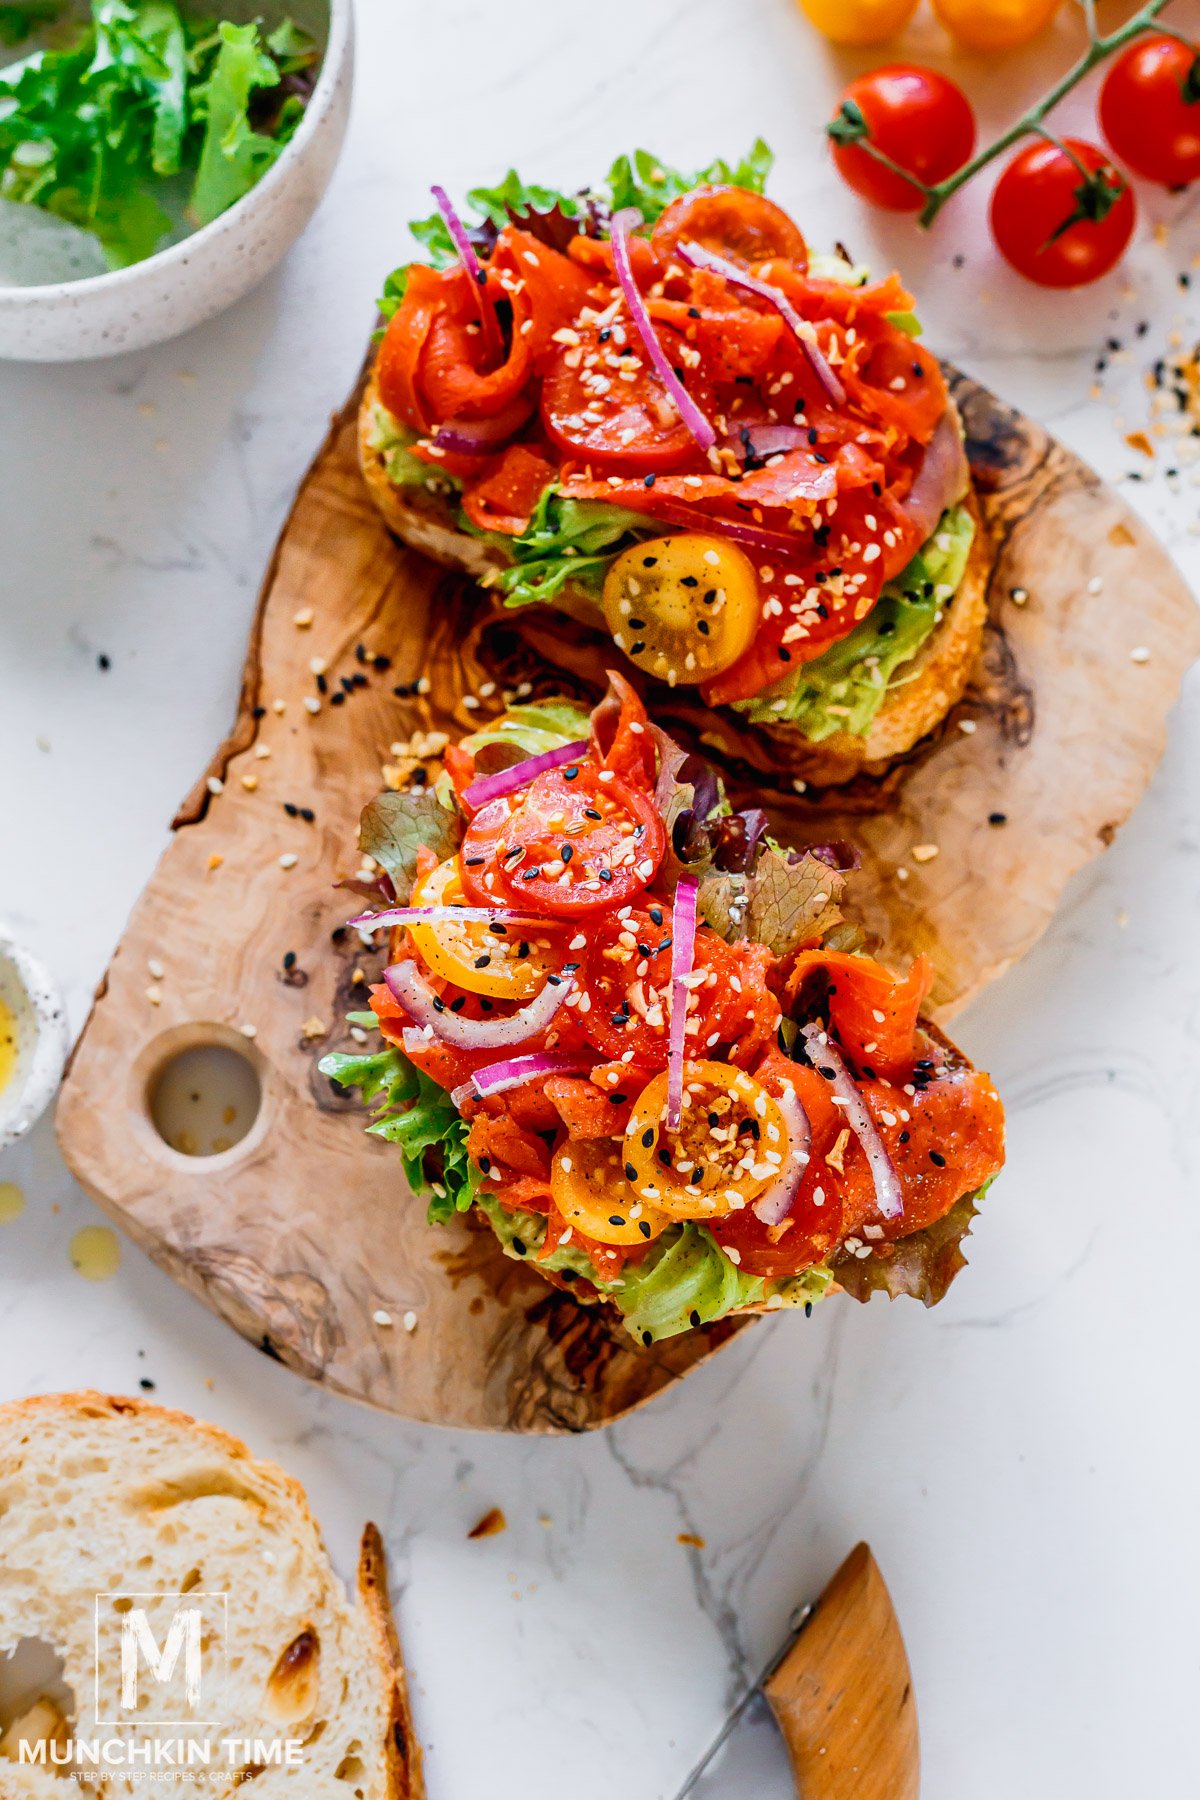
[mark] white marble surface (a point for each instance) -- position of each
(1023, 1460)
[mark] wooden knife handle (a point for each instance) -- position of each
(843, 1694)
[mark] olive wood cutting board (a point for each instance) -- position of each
(303, 1235)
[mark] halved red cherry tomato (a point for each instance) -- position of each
(629, 980)
(602, 401)
(504, 498)
(1062, 215)
(575, 841)
(1150, 110)
(733, 222)
(917, 118)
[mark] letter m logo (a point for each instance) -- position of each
(156, 1654)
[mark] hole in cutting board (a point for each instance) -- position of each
(204, 1099)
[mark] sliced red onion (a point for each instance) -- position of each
(471, 263)
(824, 1056)
(683, 952)
(481, 437)
(757, 537)
(623, 222)
(941, 480)
(766, 440)
(773, 1206)
(498, 1077)
(436, 915)
(422, 1005)
(507, 781)
(699, 258)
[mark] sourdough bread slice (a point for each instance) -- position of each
(930, 684)
(110, 1497)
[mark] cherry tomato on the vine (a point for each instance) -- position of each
(1062, 214)
(1150, 109)
(917, 118)
(860, 23)
(995, 24)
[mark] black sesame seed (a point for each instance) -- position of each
(481, 962)
(519, 1246)
(694, 1317)
(648, 1137)
(616, 1219)
(566, 851)
(571, 773)
(936, 1157)
(636, 649)
(648, 482)
(289, 961)
(630, 1172)
(643, 1227)
(647, 1338)
(997, 818)
(475, 862)
(338, 699)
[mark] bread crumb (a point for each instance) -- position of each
(923, 853)
(314, 1028)
(249, 782)
(689, 1537)
(303, 619)
(492, 1523)
(215, 859)
(154, 995)
(1137, 440)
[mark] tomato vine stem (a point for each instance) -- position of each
(1029, 123)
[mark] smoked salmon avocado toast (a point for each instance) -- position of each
(637, 1034)
(653, 409)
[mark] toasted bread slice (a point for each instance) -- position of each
(932, 682)
(101, 1498)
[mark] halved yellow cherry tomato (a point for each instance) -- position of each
(682, 608)
(731, 1144)
(859, 22)
(995, 24)
(482, 959)
(591, 1192)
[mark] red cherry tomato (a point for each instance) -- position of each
(611, 834)
(595, 412)
(1062, 216)
(630, 984)
(915, 116)
(1150, 110)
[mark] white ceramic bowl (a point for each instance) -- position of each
(183, 285)
(42, 1039)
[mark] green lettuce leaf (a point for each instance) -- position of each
(643, 181)
(511, 199)
(95, 132)
(684, 1280)
(20, 20)
(528, 731)
(392, 440)
(567, 540)
(843, 689)
(789, 900)
(395, 827)
(233, 156)
(418, 1116)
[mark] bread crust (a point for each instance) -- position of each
(934, 680)
(400, 1751)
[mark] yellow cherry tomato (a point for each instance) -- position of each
(682, 608)
(995, 24)
(590, 1191)
(859, 22)
(458, 952)
(732, 1143)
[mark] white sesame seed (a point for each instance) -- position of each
(410, 1320)
(1140, 655)
(380, 1317)
(288, 860)
(215, 785)
(248, 1031)
(311, 703)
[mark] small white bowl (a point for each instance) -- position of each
(189, 282)
(42, 1040)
